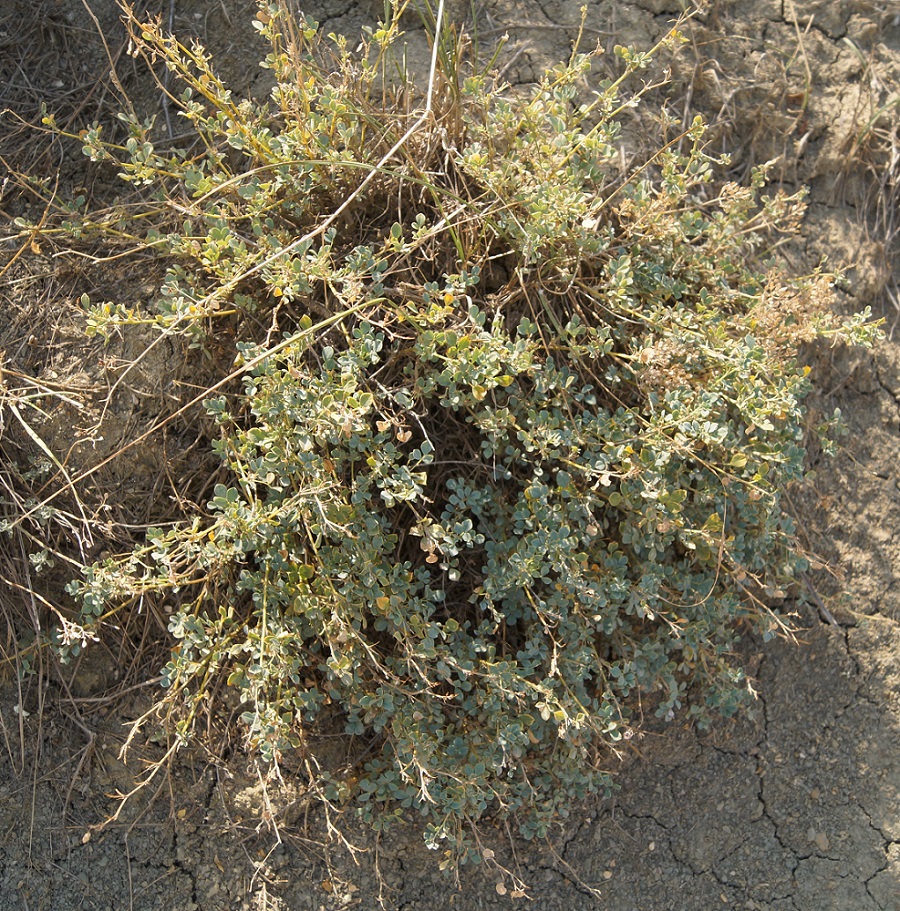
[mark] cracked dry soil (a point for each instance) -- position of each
(794, 809)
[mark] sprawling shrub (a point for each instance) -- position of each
(516, 422)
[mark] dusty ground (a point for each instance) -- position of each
(796, 809)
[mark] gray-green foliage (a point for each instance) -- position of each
(514, 449)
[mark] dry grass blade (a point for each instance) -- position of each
(871, 171)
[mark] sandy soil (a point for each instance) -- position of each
(794, 809)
